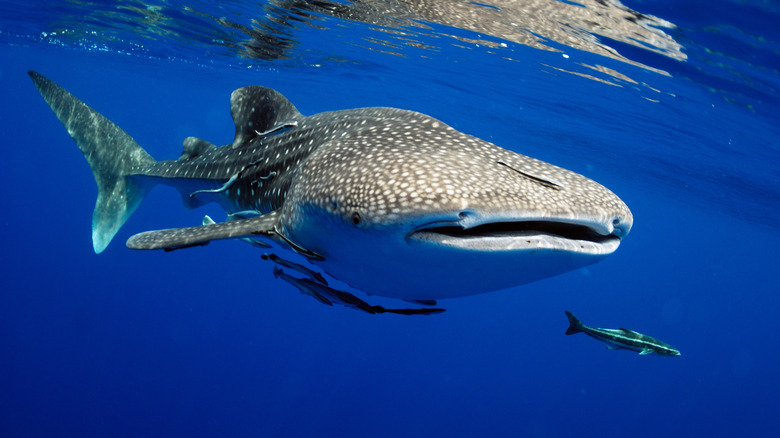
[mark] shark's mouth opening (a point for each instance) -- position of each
(565, 230)
(520, 235)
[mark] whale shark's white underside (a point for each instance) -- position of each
(391, 202)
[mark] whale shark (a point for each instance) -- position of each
(387, 201)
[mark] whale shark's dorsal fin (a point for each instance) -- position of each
(258, 109)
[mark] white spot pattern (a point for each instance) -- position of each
(385, 164)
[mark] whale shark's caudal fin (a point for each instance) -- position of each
(112, 154)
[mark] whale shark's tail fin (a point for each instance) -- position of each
(112, 154)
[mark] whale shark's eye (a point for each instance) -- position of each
(356, 218)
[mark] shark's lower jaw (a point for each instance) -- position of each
(442, 260)
(519, 236)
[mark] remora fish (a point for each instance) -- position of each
(328, 296)
(621, 338)
(314, 275)
(391, 202)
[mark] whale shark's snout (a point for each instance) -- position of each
(577, 216)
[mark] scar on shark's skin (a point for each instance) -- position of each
(390, 202)
(540, 180)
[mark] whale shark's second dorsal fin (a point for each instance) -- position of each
(195, 147)
(256, 110)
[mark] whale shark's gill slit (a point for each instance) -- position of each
(523, 228)
(536, 179)
(297, 248)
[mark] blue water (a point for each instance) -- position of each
(204, 342)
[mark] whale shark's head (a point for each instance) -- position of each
(405, 206)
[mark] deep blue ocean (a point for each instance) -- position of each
(673, 105)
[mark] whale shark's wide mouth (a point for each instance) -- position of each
(519, 236)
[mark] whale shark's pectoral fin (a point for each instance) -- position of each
(175, 238)
(207, 220)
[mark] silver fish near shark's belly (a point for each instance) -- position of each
(389, 201)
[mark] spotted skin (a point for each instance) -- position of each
(424, 165)
(366, 194)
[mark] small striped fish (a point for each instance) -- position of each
(622, 338)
